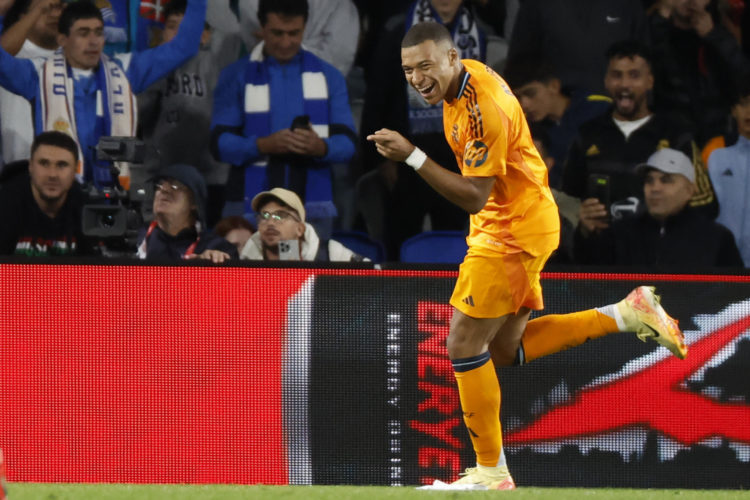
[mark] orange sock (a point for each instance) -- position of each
(557, 332)
(479, 391)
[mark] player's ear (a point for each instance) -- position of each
(452, 55)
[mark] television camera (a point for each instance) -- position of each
(112, 215)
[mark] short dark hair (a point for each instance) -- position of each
(428, 30)
(527, 69)
(57, 139)
(629, 49)
(175, 8)
(82, 9)
(285, 8)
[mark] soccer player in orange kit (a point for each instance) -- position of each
(514, 229)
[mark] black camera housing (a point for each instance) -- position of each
(125, 149)
(113, 215)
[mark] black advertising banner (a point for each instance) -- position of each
(612, 412)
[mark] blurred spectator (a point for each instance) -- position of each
(283, 233)
(729, 169)
(698, 62)
(235, 229)
(394, 201)
(567, 205)
(331, 30)
(573, 33)
(282, 118)
(614, 143)
(178, 230)
(670, 235)
(552, 109)
(42, 207)
(175, 112)
(94, 97)
(4, 6)
(29, 32)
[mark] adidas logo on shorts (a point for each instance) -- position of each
(469, 301)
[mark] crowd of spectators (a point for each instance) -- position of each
(253, 114)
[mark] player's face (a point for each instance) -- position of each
(628, 81)
(53, 171)
(282, 36)
(83, 46)
(741, 113)
(537, 99)
(431, 69)
(286, 226)
(666, 194)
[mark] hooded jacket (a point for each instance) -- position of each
(309, 249)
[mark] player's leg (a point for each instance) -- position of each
(479, 393)
(639, 312)
(484, 301)
(478, 386)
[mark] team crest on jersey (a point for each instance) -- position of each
(475, 154)
(454, 133)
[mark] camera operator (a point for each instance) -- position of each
(178, 230)
(42, 207)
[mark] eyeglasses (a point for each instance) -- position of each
(166, 187)
(277, 216)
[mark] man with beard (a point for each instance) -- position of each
(42, 208)
(611, 145)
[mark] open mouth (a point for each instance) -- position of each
(426, 91)
(625, 99)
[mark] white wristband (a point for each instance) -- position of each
(416, 159)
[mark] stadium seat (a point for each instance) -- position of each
(360, 243)
(435, 247)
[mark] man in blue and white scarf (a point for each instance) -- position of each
(82, 92)
(255, 104)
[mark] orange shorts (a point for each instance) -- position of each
(500, 284)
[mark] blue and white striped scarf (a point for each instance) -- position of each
(318, 192)
(116, 110)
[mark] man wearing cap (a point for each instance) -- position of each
(178, 230)
(283, 233)
(671, 234)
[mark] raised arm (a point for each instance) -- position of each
(18, 76)
(14, 37)
(151, 65)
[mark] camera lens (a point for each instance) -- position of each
(107, 220)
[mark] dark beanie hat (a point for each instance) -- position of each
(188, 175)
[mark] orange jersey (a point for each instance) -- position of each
(486, 128)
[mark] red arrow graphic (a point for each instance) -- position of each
(653, 398)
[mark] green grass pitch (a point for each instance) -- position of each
(32, 491)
